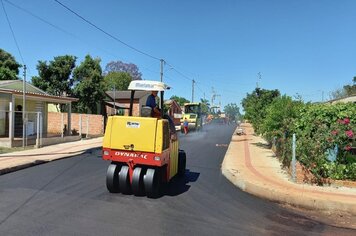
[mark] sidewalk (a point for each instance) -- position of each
(256, 170)
(22, 159)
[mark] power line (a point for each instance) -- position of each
(64, 31)
(198, 82)
(108, 34)
(98, 28)
(183, 75)
(187, 78)
(12, 31)
(199, 87)
(117, 39)
(40, 18)
(93, 25)
(202, 92)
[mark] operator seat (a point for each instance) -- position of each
(146, 111)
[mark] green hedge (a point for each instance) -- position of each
(319, 128)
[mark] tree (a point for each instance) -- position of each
(55, 76)
(346, 90)
(255, 105)
(119, 66)
(350, 89)
(121, 80)
(280, 116)
(179, 100)
(204, 105)
(338, 93)
(89, 85)
(232, 111)
(9, 67)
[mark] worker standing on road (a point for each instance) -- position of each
(151, 102)
(185, 126)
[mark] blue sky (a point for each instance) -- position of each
(305, 47)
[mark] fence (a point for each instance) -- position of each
(42, 129)
(85, 125)
(18, 129)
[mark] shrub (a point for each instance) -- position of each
(319, 128)
(280, 116)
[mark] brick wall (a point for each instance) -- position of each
(96, 123)
(126, 103)
(136, 109)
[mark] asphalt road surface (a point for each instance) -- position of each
(69, 197)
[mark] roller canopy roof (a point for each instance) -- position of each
(148, 85)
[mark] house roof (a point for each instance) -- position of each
(126, 94)
(15, 87)
(18, 85)
(116, 105)
(170, 102)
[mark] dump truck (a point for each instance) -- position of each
(141, 149)
(192, 112)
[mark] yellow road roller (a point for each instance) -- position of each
(143, 149)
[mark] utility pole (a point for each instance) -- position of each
(213, 100)
(258, 79)
(212, 96)
(114, 100)
(218, 95)
(162, 62)
(193, 81)
(24, 106)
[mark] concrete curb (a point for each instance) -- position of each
(21, 166)
(276, 195)
(15, 161)
(36, 162)
(240, 175)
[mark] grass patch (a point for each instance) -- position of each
(14, 149)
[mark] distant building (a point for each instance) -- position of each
(120, 101)
(343, 100)
(11, 109)
(174, 111)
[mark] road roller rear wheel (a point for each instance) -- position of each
(124, 180)
(137, 181)
(151, 182)
(112, 178)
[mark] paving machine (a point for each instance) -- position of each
(192, 112)
(141, 149)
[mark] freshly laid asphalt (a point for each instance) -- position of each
(69, 196)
